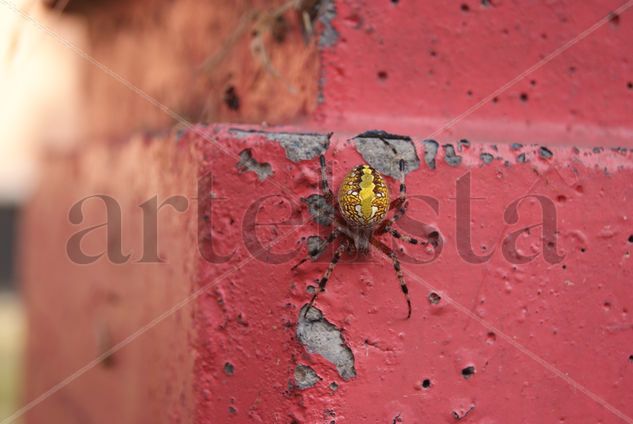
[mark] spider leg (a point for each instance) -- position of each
(396, 266)
(404, 237)
(324, 184)
(335, 233)
(326, 276)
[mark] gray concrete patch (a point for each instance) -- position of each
(248, 163)
(320, 336)
(305, 377)
(383, 151)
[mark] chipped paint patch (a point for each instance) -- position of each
(305, 377)
(430, 152)
(383, 151)
(329, 34)
(298, 146)
(450, 157)
(314, 245)
(320, 336)
(320, 209)
(248, 163)
(545, 153)
(486, 158)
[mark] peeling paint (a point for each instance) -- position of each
(430, 152)
(327, 13)
(516, 146)
(320, 209)
(248, 163)
(486, 158)
(450, 157)
(377, 149)
(320, 336)
(314, 245)
(298, 146)
(305, 377)
(545, 153)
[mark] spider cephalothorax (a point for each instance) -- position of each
(363, 204)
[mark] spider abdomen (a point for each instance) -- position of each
(363, 197)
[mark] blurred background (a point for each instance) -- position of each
(39, 105)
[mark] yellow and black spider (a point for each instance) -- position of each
(363, 203)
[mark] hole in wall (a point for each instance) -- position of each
(523, 97)
(464, 7)
(614, 19)
(434, 298)
(468, 372)
(426, 383)
(382, 75)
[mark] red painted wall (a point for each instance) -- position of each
(412, 66)
(502, 318)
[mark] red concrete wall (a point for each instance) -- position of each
(496, 340)
(494, 315)
(427, 62)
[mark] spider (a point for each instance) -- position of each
(363, 203)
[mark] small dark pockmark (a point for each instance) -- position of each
(468, 372)
(434, 298)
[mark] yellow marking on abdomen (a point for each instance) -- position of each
(366, 193)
